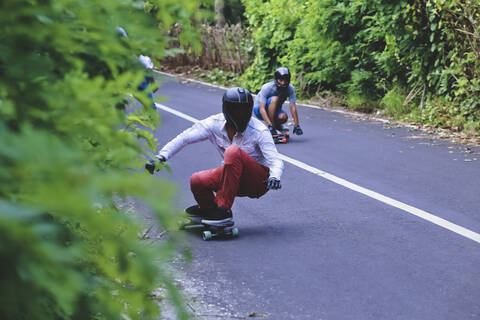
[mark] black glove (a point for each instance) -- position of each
(272, 130)
(150, 165)
(297, 130)
(273, 184)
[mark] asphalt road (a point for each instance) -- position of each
(318, 250)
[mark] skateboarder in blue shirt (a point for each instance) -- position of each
(269, 101)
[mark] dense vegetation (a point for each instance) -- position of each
(69, 154)
(233, 11)
(414, 58)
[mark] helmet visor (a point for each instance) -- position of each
(282, 81)
(282, 77)
(239, 115)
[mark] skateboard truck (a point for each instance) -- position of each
(281, 137)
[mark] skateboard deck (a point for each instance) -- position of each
(210, 231)
(281, 137)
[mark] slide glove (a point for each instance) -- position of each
(273, 184)
(272, 130)
(297, 130)
(150, 165)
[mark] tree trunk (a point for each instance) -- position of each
(219, 12)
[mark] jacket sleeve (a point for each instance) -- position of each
(196, 133)
(270, 153)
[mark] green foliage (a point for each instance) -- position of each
(440, 112)
(70, 154)
(221, 77)
(395, 104)
(366, 49)
(233, 10)
(274, 23)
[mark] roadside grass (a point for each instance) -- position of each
(218, 76)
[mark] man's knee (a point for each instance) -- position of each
(231, 154)
(274, 103)
(282, 117)
(196, 181)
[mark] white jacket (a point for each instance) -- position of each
(256, 140)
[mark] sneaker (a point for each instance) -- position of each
(219, 215)
(282, 129)
(195, 211)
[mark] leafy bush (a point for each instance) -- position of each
(221, 77)
(366, 49)
(233, 10)
(69, 153)
(228, 48)
(395, 103)
(274, 23)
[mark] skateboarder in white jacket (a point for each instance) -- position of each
(251, 163)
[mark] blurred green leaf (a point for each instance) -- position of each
(71, 143)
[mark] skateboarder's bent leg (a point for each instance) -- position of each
(282, 117)
(203, 184)
(273, 107)
(276, 114)
(241, 175)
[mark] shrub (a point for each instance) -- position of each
(69, 152)
(363, 49)
(395, 103)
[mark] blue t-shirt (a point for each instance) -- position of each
(269, 90)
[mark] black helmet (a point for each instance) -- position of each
(282, 73)
(237, 104)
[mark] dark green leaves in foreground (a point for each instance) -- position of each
(71, 158)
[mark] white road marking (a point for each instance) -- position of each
(175, 112)
(369, 193)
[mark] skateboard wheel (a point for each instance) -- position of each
(207, 235)
(235, 232)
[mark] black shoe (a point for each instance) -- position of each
(195, 212)
(282, 129)
(219, 215)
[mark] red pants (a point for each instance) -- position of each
(240, 175)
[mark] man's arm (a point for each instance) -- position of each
(296, 128)
(262, 99)
(197, 132)
(271, 155)
(293, 111)
(263, 112)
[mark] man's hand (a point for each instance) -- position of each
(150, 166)
(272, 130)
(297, 130)
(273, 184)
